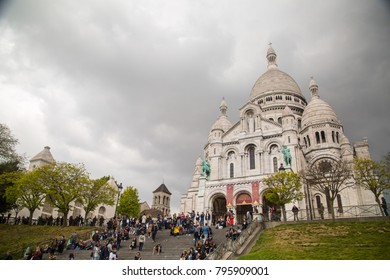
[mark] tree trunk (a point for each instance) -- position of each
(380, 205)
(332, 210)
(65, 221)
(284, 213)
(329, 202)
(30, 218)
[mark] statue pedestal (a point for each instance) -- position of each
(202, 186)
(201, 190)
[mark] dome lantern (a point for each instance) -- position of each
(271, 57)
(313, 87)
(223, 107)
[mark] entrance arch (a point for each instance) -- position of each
(243, 205)
(219, 208)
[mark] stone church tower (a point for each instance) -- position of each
(41, 159)
(162, 199)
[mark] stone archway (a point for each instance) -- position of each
(219, 208)
(243, 205)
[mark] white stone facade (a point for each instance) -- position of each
(242, 154)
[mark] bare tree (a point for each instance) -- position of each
(328, 177)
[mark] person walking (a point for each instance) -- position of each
(208, 217)
(295, 211)
(141, 240)
(321, 211)
(154, 232)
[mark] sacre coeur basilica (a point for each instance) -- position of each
(276, 118)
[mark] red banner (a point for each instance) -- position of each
(229, 195)
(255, 193)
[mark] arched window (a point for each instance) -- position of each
(231, 170)
(275, 162)
(333, 136)
(280, 120)
(271, 119)
(337, 137)
(304, 138)
(323, 139)
(308, 140)
(251, 152)
(318, 201)
(299, 123)
(318, 137)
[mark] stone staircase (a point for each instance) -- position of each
(172, 247)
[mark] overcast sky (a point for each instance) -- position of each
(132, 88)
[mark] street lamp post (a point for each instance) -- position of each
(120, 187)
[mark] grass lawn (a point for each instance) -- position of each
(17, 238)
(324, 241)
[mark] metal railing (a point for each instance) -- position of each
(355, 211)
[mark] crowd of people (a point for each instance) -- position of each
(106, 243)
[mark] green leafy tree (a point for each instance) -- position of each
(65, 183)
(10, 161)
(284, 187)
(8, 145)
(329, 177)
(373, 176)
(97, 192)
(28, 191)
(10, 172)
(129, 202)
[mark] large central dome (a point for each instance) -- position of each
(274, 80)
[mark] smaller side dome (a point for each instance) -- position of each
(222, 123)
(317, 111)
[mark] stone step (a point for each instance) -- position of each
(172, 247)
